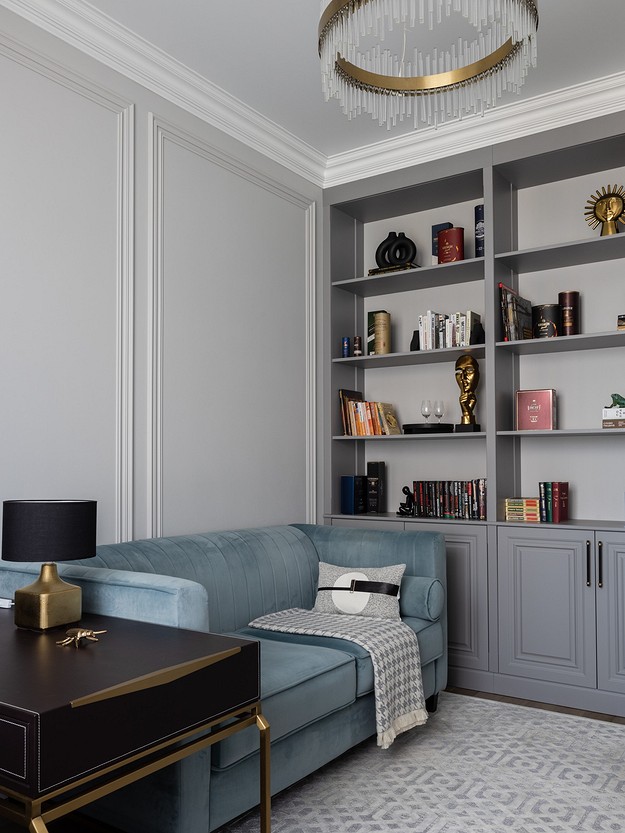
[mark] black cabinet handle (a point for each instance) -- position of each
(600, 568)
(587, 563)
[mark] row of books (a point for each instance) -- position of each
(438, 329)
(450, 499)
(516, 314)
(551, 505)
(366, 419)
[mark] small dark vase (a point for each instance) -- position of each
(381, 253)
(402, 251)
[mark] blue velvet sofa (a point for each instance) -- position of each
(317, 693)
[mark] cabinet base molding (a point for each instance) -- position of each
(539, 691)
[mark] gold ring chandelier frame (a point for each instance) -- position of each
(469, 77)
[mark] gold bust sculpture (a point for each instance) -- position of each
(467, 377)
(605, 208)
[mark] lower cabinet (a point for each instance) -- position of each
(542, 618)
(467, 596)
(561, 598)
(467, 590)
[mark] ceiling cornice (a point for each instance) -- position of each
(97, 35)
(590, 100)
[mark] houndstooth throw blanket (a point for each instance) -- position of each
(394, 651)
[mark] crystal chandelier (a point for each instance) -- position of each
(369, 64)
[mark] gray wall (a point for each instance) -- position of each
(157, 305)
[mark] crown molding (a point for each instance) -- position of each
(582, 102)
(97, 35)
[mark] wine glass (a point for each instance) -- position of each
(439, 410)
(426, 409)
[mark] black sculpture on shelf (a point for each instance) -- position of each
(406, 509)
(395, 252)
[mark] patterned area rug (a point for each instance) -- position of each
(477, 766)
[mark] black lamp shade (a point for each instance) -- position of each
(48, 530)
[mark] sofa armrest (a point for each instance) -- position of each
(144, 597)
(421, 597)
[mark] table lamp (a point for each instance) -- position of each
(48, 531)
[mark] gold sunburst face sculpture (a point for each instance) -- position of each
(606, 208)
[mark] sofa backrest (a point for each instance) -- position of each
(423, 553)
(246, 572)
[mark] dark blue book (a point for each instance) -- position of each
(353, 494)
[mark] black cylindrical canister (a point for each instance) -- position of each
(546, 320)
(569, 313)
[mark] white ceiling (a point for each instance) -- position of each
(264, 53)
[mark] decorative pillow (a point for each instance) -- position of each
(359, 591)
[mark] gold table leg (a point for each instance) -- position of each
(37, 825)
(265, 774)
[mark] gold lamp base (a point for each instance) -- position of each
(48, 602)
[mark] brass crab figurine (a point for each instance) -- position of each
(74, 635)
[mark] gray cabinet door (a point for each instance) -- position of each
(610, 555)
(467, 593)
(546, 608)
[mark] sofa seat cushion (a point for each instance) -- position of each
(299, 685)
(429, 635)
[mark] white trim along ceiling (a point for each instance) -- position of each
(85, 28)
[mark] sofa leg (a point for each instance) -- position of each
(431, 704)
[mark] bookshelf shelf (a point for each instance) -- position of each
(412, 437)
(448, 354)
(426, 277)
(565, 432)
(565, 344)
(579, 252)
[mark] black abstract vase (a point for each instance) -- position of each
(402, 251)
(382, 252)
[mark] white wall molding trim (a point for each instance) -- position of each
(155, 332)
(124, 113)
(574, 104)
(161, 132)
(102, 38)
(99, 36)
(311, 365)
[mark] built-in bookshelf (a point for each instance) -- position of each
(519, 188)
(537, 242)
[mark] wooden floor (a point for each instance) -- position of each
(609, 718)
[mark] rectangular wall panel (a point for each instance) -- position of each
(233, 396)
(59, 311)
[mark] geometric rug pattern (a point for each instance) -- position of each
(476, 766)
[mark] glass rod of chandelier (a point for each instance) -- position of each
(430, 87)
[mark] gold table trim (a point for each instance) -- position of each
(35, 814)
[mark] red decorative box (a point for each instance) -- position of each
(535, 410)
(450, 245)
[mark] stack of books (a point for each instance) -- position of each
(438, 330)
(523, 509)
(554, 501)
(551, 506)
(516, 314)
(366, 419)
(450, 499)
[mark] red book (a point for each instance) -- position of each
(450, 245)
(560, 501)
(535, 410)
